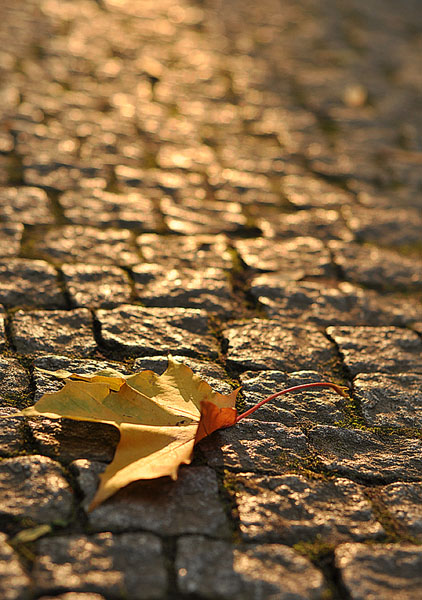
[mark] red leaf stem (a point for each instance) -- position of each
(337, 388)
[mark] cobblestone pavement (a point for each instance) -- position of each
(238, 184)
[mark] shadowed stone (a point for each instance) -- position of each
(314, 405)
(124, 566)
(390, 400)
(404, 502)
(378, 349)
(291, 508)
(191, 504)
(389, 571)
(254, 446)
(216, 569)
(96, 286)
(364, 455)
(317, 223)
(277, 345)
(12, 437)
(2, 331)
(61, 332)
(34, 487)
(152, 331)
(14, 583)
(29, 283)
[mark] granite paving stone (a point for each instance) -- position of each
(152, 331)
(207, 289)
(292, 508)
(12, 435)
(62, 176)
(61, 332)
(14, 582)
(190, 504)
(31, 283)
(390, 400)
(253, 445)
(392, 227)
(14, 382)
(367, 456)
(306, 191)
(34, 487)
(378, 268)
(10, 239)
(75, 596)
(388, 571)
(2, 326)
(244, 572)
(171, 251)
(378, 349)
(312, 406)
(344, 304)
(107, 209)
(85, 244)
(292, 259)
(118, 566)
(25, 205)
(96, 286)
(404, 502)
(278, 345)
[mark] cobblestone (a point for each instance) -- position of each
(291, 508)
(151, 331)
(244, 572)
(29, 283)
(237, 184)
(129, 565)
(61, 332)
(382, 571)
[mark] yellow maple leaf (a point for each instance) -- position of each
(160, 418)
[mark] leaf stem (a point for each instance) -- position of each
(337, 388)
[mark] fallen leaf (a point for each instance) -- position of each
(160, 418)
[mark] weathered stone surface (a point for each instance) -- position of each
(366, 456)
(392, 227)
(29, 283)
(125, 566)
(210, 372)
(291, 508)
(172, 251)
(207, 289)
(10, 239)
(26, 205)
(34, 487)
(277, 345)
(255, 446)
(317, 223)
(345, 304)
(14, 382)
(378, 268)
(190, 504)
(390, 400)
(14, 582)
(96, 286)
(378, 349)
(315, 406)
(404, 502)
(307, 191)
(2, 330)
(74, 596)
(389, 571)
(152, 331)
(106, 209)
(74, 243)
(12, 439)
(197, 217)
(60, 332)
(216, 569)
(292, 259)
